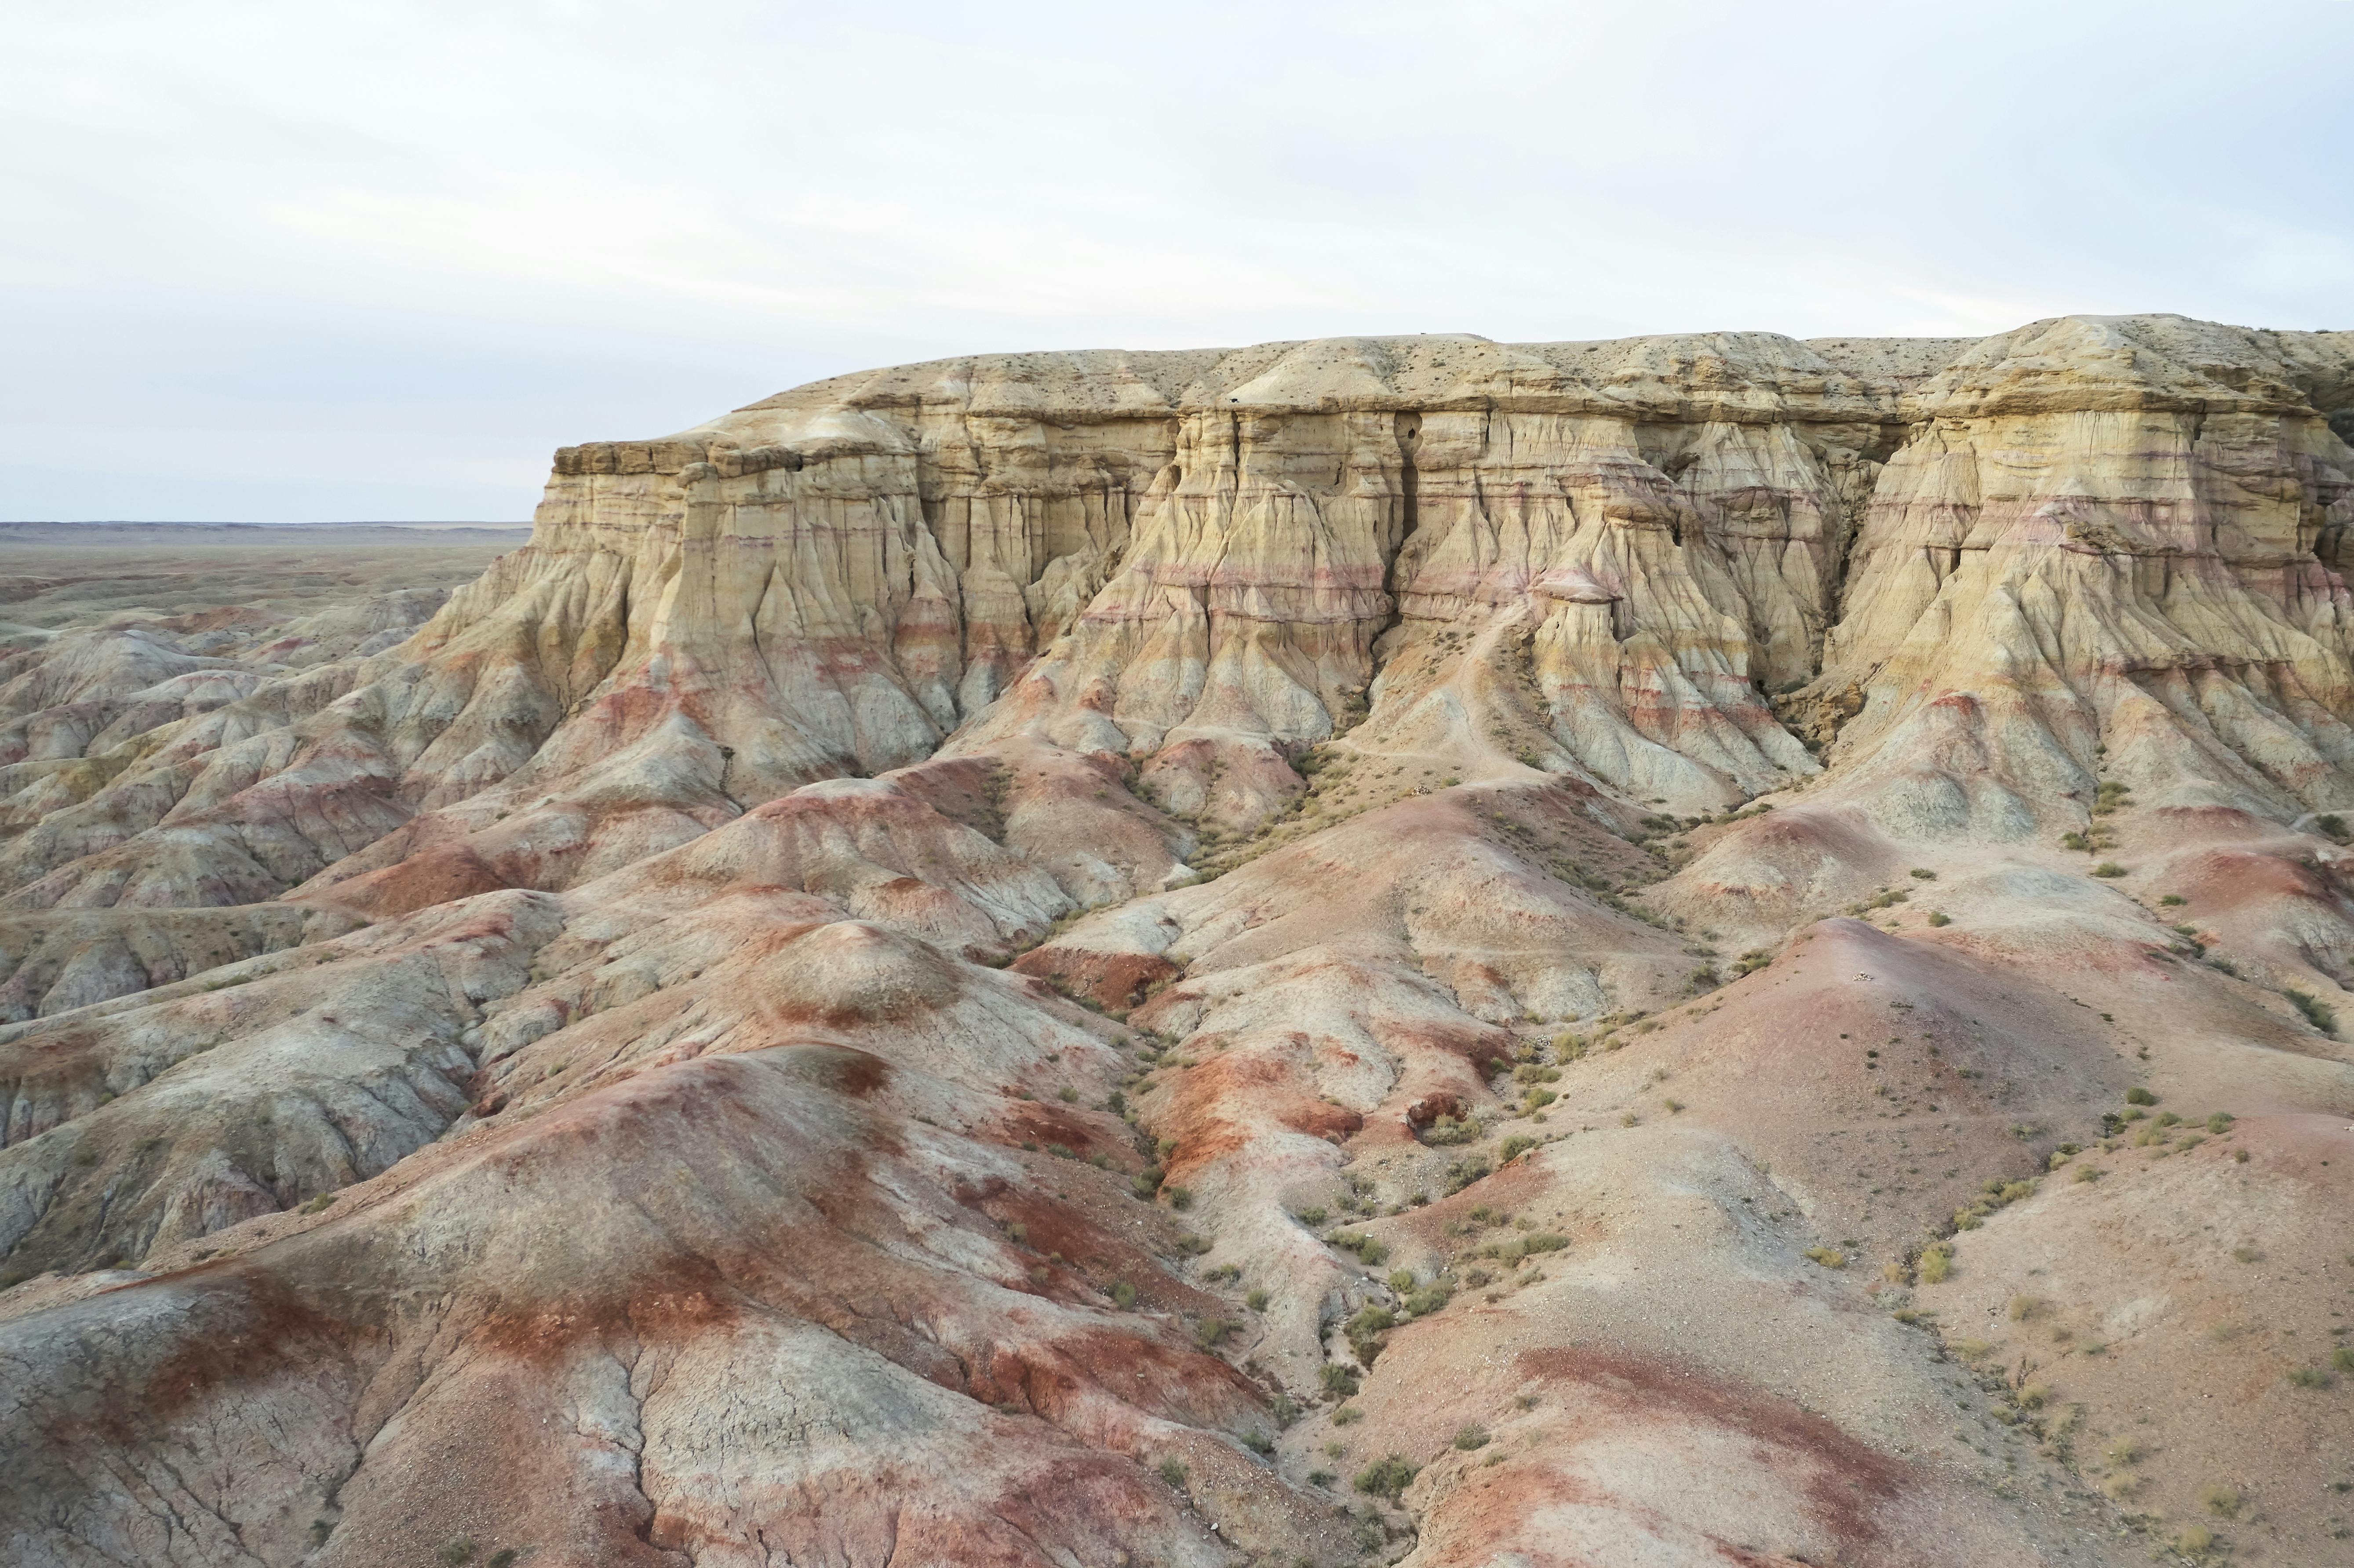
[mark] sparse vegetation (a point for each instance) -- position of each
(1471, 1435)
(1936, 1263)
(1939, 918)
(2221, 1499)
(2318, 1013)
(452, 1552)
(1447, 1131)
(1173, 1474)
(2108, 868)
(2138, 1095)
(1386, 1478)
(1829, 1257)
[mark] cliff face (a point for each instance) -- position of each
(1551, 888)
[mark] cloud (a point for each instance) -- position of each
(464, 234)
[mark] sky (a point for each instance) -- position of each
(294, 263)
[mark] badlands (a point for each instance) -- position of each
(1695, 950)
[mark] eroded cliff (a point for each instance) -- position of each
(1575, 911)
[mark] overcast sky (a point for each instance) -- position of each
(279, 262)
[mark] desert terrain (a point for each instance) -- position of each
(1691, 950)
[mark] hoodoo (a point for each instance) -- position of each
(1697, 949)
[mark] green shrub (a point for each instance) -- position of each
(1211, 1333)
(1829, 1257)
(453, 1553)
(1424, 1302)
(1147, 1182)
(1340, 1381)
(2173, 900)
(1385, 1478)
(1922, 874)
(2318, 1013)
(1180, 1198)
(1514, 1146)
(1311, 1216)
(1447, 1130)
(2309, 1377)
(2195, 1540)
(1936, 1265)
(2220, 1498)
(2219, 1122)
(1346, 1415)
(1939, 918)
(1259, 1443)
(1466, 1171)
(2138, 1095)
(503, 1557)
(1173, 1473)
(1321, 1477)
(1256, 1300)
(2108, 868)
(1123, 1294)
(1472, 1436)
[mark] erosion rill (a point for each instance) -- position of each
(1702, 949)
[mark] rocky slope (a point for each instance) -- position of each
(1705, 950)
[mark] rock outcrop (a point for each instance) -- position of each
(1388, 949)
